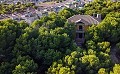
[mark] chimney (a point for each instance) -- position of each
(99, 17)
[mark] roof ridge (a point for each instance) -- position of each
(70, 17)
(94, 19)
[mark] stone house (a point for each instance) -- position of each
(82, 23)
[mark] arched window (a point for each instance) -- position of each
(79, 22)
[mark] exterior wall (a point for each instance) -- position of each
(85, 27)
(80, 33)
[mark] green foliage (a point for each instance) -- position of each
(81, 61)
(65, 66)
(9, 31)
(102, 7)
(36, 24)
(66, 13)
(25, 66)
(102, 71)
(46, 40)
(107, 30)
(116, 69)
(77, 62)
(5, 67)
(47, 45)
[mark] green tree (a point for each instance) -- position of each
(116, 69)
(102, 71)
(66, 13)
(25, 65)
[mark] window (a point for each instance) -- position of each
(80, 27)
(80, 35)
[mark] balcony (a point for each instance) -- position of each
(80, 31)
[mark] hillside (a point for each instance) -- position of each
(47, 46)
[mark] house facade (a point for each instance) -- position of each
(82, 23)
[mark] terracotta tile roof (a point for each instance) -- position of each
(89, 19)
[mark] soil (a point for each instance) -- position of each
(114, 57)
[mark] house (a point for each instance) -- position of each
(81, 3)
(115, 0)
(30, 17)
(44, 12)
(2, 17)
(87, 1)
(57, 8)
(82, 23)
(76, 4)
(69, 5)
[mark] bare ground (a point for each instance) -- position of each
(113, 55)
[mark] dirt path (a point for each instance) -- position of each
(113, 55)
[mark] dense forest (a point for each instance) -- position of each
(47, 45)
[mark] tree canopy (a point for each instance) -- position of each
(47, 45)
